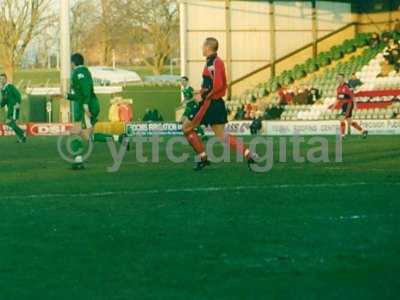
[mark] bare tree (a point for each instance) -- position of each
(85, 17)
(20, 22)
(155, 25)
(113, 27)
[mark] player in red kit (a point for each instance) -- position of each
(212, 111)
(345, 100)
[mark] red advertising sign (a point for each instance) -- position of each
(48, 129)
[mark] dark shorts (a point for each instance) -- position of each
(347, 110)
(216, 113)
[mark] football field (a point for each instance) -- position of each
(162, 231)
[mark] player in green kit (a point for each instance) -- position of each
(11, 98)
(86, 109)
(191, 105)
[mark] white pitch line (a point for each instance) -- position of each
(196, 190)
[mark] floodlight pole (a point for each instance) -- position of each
(228, 42)
(272, 37)
(183, 39)
(183, 36)
(314, 27)
(65, 52)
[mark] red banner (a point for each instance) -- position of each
(381, 93)
(39, 129)
(48, 129)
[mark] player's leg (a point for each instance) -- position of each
(343, 127)
(350, 122)
(77, 144)
(114, 132)
(191, 120)
(343, 120)
(195, 141)
(12, 117)
(357, 126)
(233, 142)
(102, 137)
(200, 131)
(353, 124)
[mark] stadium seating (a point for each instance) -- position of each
(353, 56)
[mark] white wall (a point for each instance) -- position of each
(250, 31)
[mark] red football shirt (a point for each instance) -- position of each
(345, 94)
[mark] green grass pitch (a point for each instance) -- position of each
(161, 231)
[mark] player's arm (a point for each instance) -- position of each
(73, 96)
(3, 102)
(15, 94)
(334, 105)
(86, 88)
(4, 99)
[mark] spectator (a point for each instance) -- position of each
(375, 40)
(285, 96)
(248, 109)
(240, 114)
(301, 96)
(354, 82)
(391, 53)
(386, 36)
(157, 116)
(147, 116)
(256, 125)
(313, 96)
(152, 116)
(281, 94)
(273, 112)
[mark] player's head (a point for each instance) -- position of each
(77, 60)
(210, 46)
(340, 78)
(3, 79)
(184, 81)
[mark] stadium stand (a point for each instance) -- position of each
(366, 56)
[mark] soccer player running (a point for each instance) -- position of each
(86, 108)
(11, 97)
(212, 111)
(345, 100)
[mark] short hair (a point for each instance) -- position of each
(3, 75)
(77, 59)
(212, 43)
(185, 78)
(341, 75)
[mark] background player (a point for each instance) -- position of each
(192, 105)
(11, 98)
(212, 110)
(345, 100)
(86, 108)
